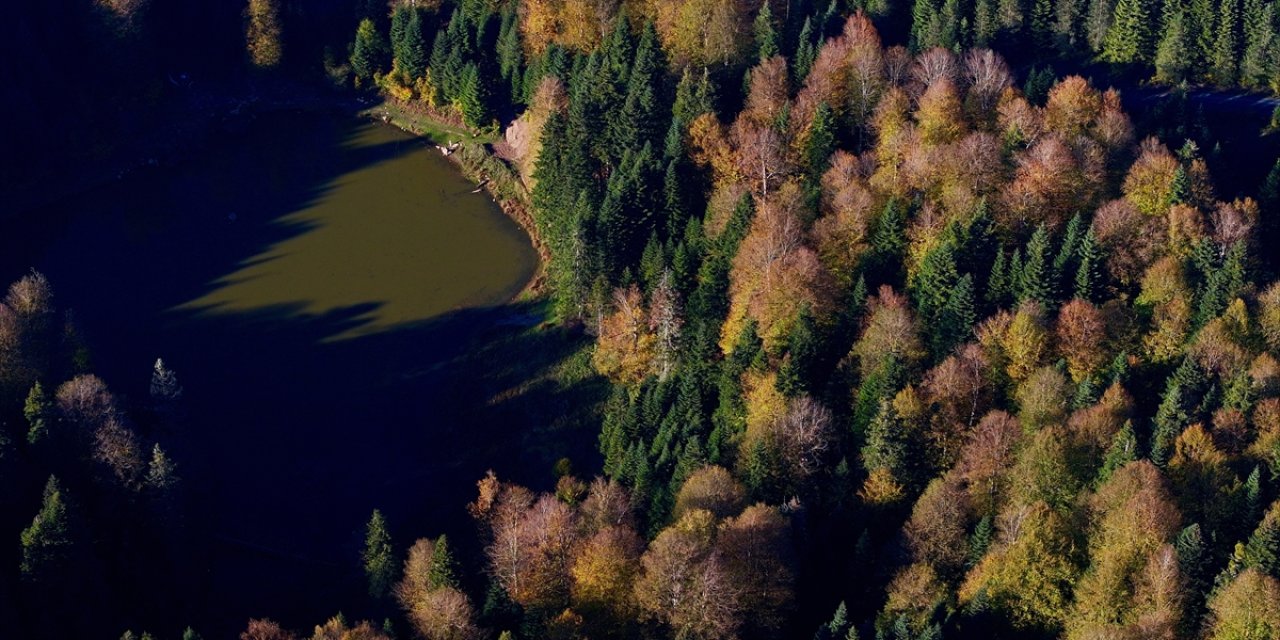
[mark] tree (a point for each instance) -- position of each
(46, 544)
(37, 411)
(1224, 65)
(473, 97)
(1129, 40)
(368, 54)
(443, 570)
(1247, 609)
(759, 559)
(379, 560)
(165, 389)
(411, 55)
(766, 37)
(711, 488)
(685, 584)
(161, 471)
(1027, 576)
(262, 33)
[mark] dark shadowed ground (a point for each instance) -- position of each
(332, 298)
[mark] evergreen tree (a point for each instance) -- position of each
(399, 26)
(1253, 496)
(1174, 53)
(412, 58)
(1064, 263)
(956, 318)
(1123, 450)
(821, 142)
(998, 281)
(46, 544)
(1088, 274)
(511, 54)
(796, 376)
(1034, 278)
(1194, 563)
(379, 561)
(766, 37)
(806, 52)
(443, 570)
(368, 54)
(1226, 45)
(472, 98)
(1130, 38)
(37, 411)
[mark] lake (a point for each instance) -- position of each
(322, 286)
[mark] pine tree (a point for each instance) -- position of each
(1180, 189)
(1034, 279)
(162, 471)
(1253, 496)
(412, 58)
(925, 25)
(1088, 274)
(511, 54)
(368, 54)
(766, 37)
(1068, 252)
(956, 318)
(46, 544)
(803, 348)
(1130, 38)
(1173, 53)
(821, 142)
(399, 26)
(1194, 564)
(998, 281)
(472, 98)
(806, 52)
(37, 411)
(443, 570)
(1123, 450)
(1226, 44)
(379, 562)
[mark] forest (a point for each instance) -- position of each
(906, 335)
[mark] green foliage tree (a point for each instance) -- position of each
(46, 544)
(378, 558)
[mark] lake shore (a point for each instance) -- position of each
(480, 165)
(184, 125)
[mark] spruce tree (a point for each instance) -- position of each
(821, 142)
(1123, 450)
(1089, 273)
(998, 280)
(1033, 280)
(1130, 38)
(379, 562)
(956, 318)
(766, 37)
(1068, 252)
(443, 569)
(472, 98)
(1224, 65)
(46, 544)
(806, 52)
(412, 59)
(1173, 54)
(368, 54)
(37, 411)
(511, 54)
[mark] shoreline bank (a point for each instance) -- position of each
(196, 117)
